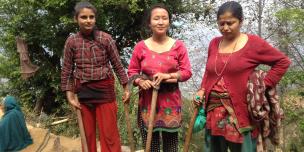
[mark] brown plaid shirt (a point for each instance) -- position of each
(87, 60)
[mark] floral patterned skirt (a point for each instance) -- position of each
(222, 121)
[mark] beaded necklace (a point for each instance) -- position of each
(226, 62)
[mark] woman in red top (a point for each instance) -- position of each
(86, 71)
(231, 59)
(160, 58)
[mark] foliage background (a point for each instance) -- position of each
(45, 24)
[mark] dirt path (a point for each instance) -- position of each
(47, 142)
(44, 141)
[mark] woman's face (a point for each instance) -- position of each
(86, 20)
(229, 25)
(159, 21)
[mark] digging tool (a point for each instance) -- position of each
(129, 128)
(151, 118)
(81, 128)
(189, 132)
(190, 129)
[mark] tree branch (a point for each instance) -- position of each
(298, 51)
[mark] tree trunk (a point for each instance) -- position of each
(260, 19)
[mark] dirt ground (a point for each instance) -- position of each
(48, 142)
(45, 141)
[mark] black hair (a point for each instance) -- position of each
(234, 7)
(158, 5)
(84, 4)
(81, 5)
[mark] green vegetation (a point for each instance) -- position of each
(45, 24)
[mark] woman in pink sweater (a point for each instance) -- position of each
(160, 58)
(231, 59)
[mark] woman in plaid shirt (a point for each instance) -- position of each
(87, 72)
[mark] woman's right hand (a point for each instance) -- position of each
(73, 100)
(198, 97)
(145, 84)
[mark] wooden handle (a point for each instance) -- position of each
(82, 133)
(129, 128)
(151, 119)
(189, 132)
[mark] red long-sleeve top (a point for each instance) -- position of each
(168, 116)
(241, 64)
(86, 59)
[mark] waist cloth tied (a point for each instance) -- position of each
(215, 100)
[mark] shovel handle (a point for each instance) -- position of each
(151, 119)
(82, 133)
(189, 132)
(129, 128)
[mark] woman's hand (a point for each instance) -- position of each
(126, 94)
(73, 100)
(159, 77)
(145, 84)
(198, 97)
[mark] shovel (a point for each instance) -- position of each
(189, 132)
(151, 118)
(81, 128)
(190, 129)
(129, 128)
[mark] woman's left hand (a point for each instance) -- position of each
(198, 97)
(126, 97)
(126, 94)
(159, 77)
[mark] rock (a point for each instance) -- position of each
(56, 146)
